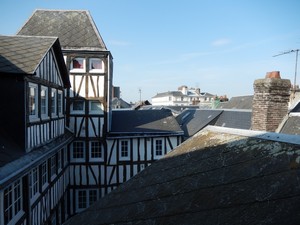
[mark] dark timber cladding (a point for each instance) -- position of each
(219, 176)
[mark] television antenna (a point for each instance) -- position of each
(288, 52)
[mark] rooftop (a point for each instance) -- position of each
(74, 28)
(220, 176)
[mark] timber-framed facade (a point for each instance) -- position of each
(34, 168)
(71, 147)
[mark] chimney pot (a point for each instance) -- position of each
(273, 74)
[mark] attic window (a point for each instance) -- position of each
(96, 65)
(78, 65)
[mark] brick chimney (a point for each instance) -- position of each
(270, 101)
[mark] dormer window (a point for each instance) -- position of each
(78, 65)
(33, 101)
(96, 65)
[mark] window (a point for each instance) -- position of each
(33, 101)
(96, 65)
(53, 166)
(34, 182)
(60, 102)
(59, 160)
(124, 149)
(53, 102)
(92, 196)
(96, 151)
(78, 105)
(158, 148)
(82, 203)
(78, 150)
(12, 201)
(96, 106)
(78, 65)
(44, 172)
(44, 102)
(86, 198)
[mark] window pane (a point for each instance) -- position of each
(59, 103)
(96, 64)
(158, 147)
(78, 63)
(82, 199)
(32, 101)
(43, 101)
(53, 101)
(78, 105)
(78, 150)
(124, 148)
(92, 196)
(96, 149)
(95, 105)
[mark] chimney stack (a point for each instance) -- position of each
(270, 101)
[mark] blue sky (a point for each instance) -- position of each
(220, 46)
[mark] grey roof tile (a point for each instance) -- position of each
(235, 119)
(144, 121)
(220, 176)
(291, 126)
(20, 54)
(74, 28)
(238, 102)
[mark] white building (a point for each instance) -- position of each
(183, 97)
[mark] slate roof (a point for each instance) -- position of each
(240, 119)
(291, 126)
(144, 121)
(74, 28)
(23, 54)
(238, 102)
(194, 120)
(220, 176)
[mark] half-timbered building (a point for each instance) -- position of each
(95, 152)
(34, 171)
(88, 100)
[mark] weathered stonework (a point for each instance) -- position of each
(270, 102)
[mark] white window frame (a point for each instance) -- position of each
(122, 150)
(83, 196)
(59, 162)
(33, 117)
(76, 154)
(158, 147)
(44, 115)
(99, 110)
(34, 184)
(78, 110)
(77, 70)
(54, 106)
(15, 191)
(91, 70)
(60, 102)
(44, 174)
(53, 167)
(98, 147)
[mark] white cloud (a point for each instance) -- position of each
(221, 42)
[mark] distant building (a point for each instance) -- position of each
(184, 96)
